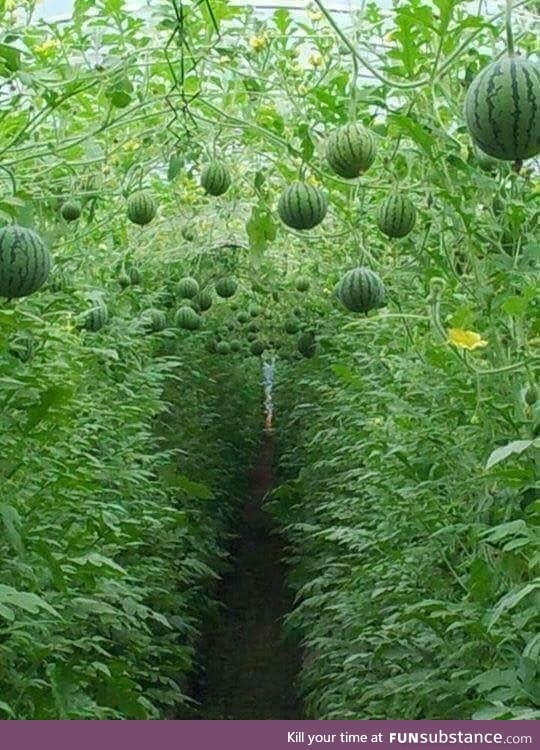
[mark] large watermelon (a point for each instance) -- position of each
(141, 208)
(188, 287)
(396, 216)
(215, 178)
(350, 150)
(223, 347)
(226, 287)
(502, 109)
(71, 210)
(187, 318)
(361, 290)
(25, 262)
(302, 206)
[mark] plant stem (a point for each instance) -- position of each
(509, 35)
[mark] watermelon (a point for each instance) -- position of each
(350, 150)
(124, 280)
(306, 344)
(302, 206)
(134, 276)
(223, 347)
(202, 301)
(255, 310)
(291, 326)
(187, 288)
(236, 345)
(141, 208)
(25, 262)
(361, 290)
(71, 210)
(211, 345)
(253, 326)
(226, 287)
(486, 162)
(153, 320)
(531, 395)
(188, 319)
(257, 348)
(302, 284)
(242, 316)
(187, 233)
(95, 318)
(396, 216)
(252, 336)
(215, 179)
(502, 109)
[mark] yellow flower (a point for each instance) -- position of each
(312, 180)
(303, 90)
(130, 145)
(315, 15)
(315, 59)
(389, 38)
(48, 45)
(257, 43)
(224, 59)
(465, 339)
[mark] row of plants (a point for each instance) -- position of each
(409, 505)
(123, 458)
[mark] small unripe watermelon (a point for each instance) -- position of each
(124, 280)
(257, 348)
(187, 287)
(235, 345)
(223, 347)
(215, 178)
(252, 336)
(25, 262)
(531, 395)
(292, 326)
(397, 215)
(211, 346)
(96, 317)
(302, 206)
(153, 320)
(302, 283)
(134, 276)
(502, 109)
(141, 208)
(226, 287)
(203, 300)
(350, 150)
(361, 290)
(306, 344)
(242, 316)
(71, 210)
(188, 234)
(255, 310)
(253, 326)
(187, 318)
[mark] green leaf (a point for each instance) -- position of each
(51, 398)
(516, 446)
(195, 489)
(509, 601)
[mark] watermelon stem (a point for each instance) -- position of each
(509, 34)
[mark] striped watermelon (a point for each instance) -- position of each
(257, 348)
(361, 290)
(153, 320)
(242, 316)
(302, 206)
(502, 109)
(96, 317)
(215, 178)
(397, 215)
(187, 288)
(141, 208)
(71, 210)
(226, 287)
(187, 318)
(350, 150)
(236, 345)
(302, 284)
(202, 301)
(25, 262)
(255, 310)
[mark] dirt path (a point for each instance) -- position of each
(249, 669)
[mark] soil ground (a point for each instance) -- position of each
(249, 668)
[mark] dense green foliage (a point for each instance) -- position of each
(131, 373)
